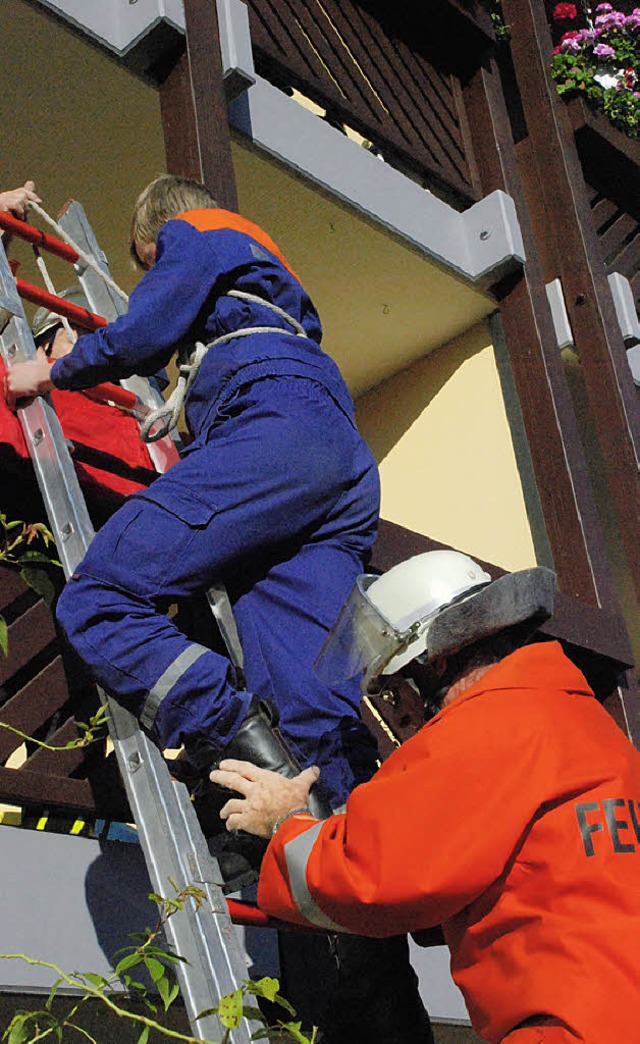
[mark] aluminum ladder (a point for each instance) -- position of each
(168, 829)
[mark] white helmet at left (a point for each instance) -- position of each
(385, 622)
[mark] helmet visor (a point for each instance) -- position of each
(361, 640)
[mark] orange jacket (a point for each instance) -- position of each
(513, 820)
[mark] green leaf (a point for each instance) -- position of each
(294, 1029)
(127, 962)
(98, 981)
(230, 1009)
(266, 987)
(52, 992)
(157, 970)
(207, 1011)
(144, 1036)
(40, 581)
(168, 992)
(17, 1031)
(4, 635)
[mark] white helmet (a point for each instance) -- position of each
(386, 619)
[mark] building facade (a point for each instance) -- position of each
(470, 239)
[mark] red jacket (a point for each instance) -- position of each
(110, 459)
(512, 819)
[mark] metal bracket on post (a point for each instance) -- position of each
(559, 315)
(491, 233)
(238, 71)
(627, 314)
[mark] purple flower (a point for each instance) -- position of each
(610, 20)
(633, 20)
(603, 8)
(604, 51)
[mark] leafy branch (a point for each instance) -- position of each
(17, 550)
(91, 731)
(160, 961)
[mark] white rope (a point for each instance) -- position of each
(188, 371)
(89, 261)
(48, 282)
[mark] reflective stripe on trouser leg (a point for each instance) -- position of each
(167, 680)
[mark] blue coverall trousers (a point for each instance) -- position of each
(279, 499)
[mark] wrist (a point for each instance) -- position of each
(294, 812)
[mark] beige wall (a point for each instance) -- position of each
(440, 433)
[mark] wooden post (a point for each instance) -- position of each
(194, 108)
(559, 205)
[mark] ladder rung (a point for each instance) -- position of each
(41, 239)
(81, 316)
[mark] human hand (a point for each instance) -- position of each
(17, 200)
(268, 796)
(27, 379)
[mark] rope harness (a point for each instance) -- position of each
(188, 369)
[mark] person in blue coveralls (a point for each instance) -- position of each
(277, 497)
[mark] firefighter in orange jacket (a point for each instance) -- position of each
(512, 818)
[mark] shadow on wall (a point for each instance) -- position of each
(387, 412)
(117, 891)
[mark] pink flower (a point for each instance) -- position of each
(610, 20)
(564, 12)
(603, 8)
(604, 51)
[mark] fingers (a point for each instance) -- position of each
(309, 775)
(243, 768)
(17, 200)
(231, 781)
(233, 807)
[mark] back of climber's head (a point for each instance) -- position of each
(164, 198)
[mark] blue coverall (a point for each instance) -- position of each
(277, 496)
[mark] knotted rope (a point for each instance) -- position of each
(188, 370)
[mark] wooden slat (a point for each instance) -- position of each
(23, 787)
(28, 635)
(423, 101)
(194, 109)
(58, 762)
(617, 236)
(340, 56)
(33, 706)
(12, 587)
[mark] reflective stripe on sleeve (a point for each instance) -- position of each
(296, 853)
(167, 680)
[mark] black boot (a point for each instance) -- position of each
(257, 740)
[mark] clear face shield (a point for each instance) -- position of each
(362, 641)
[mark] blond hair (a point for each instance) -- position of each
(161, 200)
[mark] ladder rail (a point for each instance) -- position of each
(170, 835)
(103, 301)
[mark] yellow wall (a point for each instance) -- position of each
(80, 125)
(440, 433)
